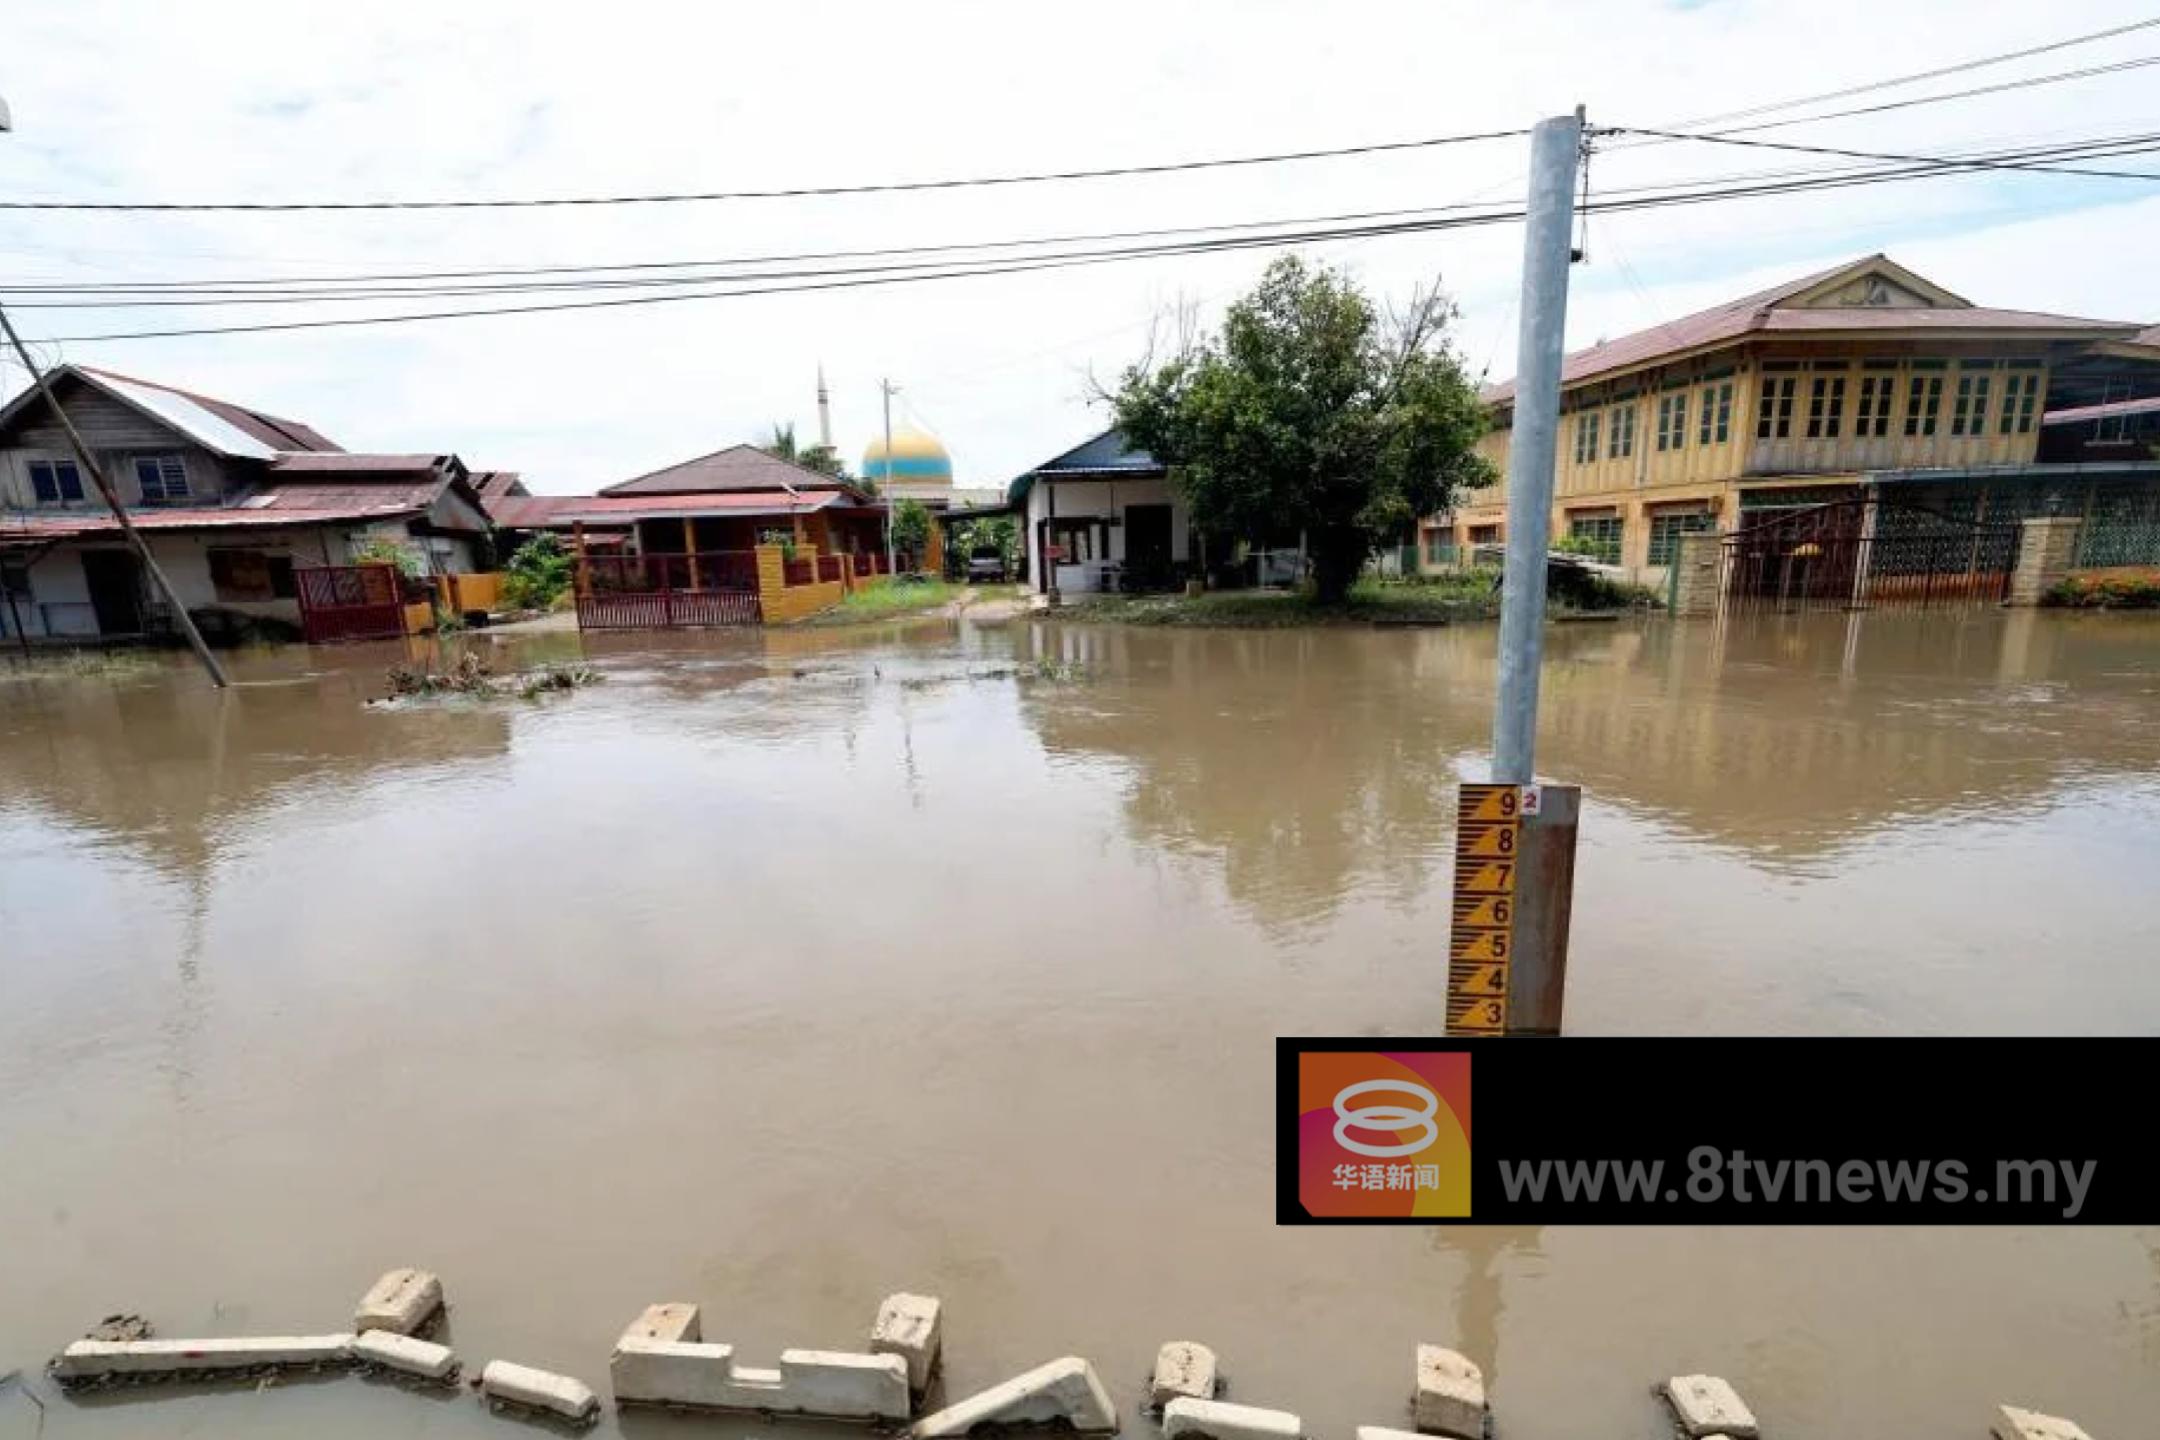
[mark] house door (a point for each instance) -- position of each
(1147, 545)
(114, 579)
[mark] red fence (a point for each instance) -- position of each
(831, 568)
(349, 602)
(666, 592)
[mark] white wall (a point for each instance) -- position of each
(1083, 499)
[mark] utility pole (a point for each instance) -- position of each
(1533, 449)
(134, 538)
(1515, 839)
(888, 389)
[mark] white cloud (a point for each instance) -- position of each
(294, 101)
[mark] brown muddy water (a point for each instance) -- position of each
(781, 971)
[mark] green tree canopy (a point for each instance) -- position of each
(1314, 411)
(821, 458)
(911, 529)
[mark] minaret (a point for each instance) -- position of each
(824, 410)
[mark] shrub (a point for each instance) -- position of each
(2107, 592)
(538, 574)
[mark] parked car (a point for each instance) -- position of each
(987, 563)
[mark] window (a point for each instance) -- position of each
(1716, 414)
(1622, 442)
(55, 482)
(1826, 407)
(1586, 430)
(1075, 540)
(1872, 420)
(1667, 528)
(1599, 534)
(1968, 416)
(163, 478)
(2021, 395)
(1672, 421)
(251, 575)
(1773, 416)
(1923, 403)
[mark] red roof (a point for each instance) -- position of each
(533, 512)
(346, 463)
(232, 517)
(739, 467)
(273, 430)
(498, 484)
(621, 508)
(1765, 312)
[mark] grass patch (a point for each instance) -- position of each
(77, 665)
(1421, 600)
(889, 601)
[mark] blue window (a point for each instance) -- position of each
(55, 481)
(162, 477)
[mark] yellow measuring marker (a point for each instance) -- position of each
(1487, 831)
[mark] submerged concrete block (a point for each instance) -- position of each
(1217, 1420)
(1067, 1391)
(513, 1384)
(404, 1354)
(1706, 1405)
(401, 1302)
(1450, 1394)
(2012, 1423)
(912, 1327)
(102, 1359)
(669, 1320)
(1182, 1367)
(809, 1382)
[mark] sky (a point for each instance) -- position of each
(232, 101)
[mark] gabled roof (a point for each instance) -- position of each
(618, 509)
(532, 512)
(1872, 295)
(739, 467)
(346, 463)
(1108, 455)
(498, 484)
(217, 425)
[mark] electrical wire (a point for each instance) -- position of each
(796, 192)
(1948, 162)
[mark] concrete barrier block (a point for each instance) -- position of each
(1450, 1394)
(823, 1383)
(406, 1355)
(912, 1327)
(2011, 1423)
(1218, 1420)
(1707, 1405)
(669, 1320)
(1064, 1391)
(857, 1387)
(401, 1302)
(106, 1359)
(1182, 1367)
(512, 1384)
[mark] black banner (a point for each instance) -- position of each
(1716, 1131)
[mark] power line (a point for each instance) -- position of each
(1947, 162)
(226, 291)
(1977, 63)
(1922, 168)
(2025, 84)
(798, 192)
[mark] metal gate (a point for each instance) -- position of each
(349, 602)
(672, 591)
(1860, 553)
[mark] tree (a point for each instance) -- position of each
(821, 458)
(538, 573)
(1313, 411)
(911, 530)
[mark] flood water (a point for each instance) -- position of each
(780, 971)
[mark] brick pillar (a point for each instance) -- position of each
(2046, 546)
(1696, 564)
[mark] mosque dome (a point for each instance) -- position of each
(917, 461)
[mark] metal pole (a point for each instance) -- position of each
(1548, 248)
(112, 501)
(891, 570)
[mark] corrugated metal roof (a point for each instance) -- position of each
(274, 431)
(347, 463)
(497, 484)
(63, 526)
(531, 512)
(1764, 312)
(739, 467)
(621, 508)
(1108, 454)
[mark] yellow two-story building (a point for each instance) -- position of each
(1800, 394)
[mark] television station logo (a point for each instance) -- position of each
(1383, 1134)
